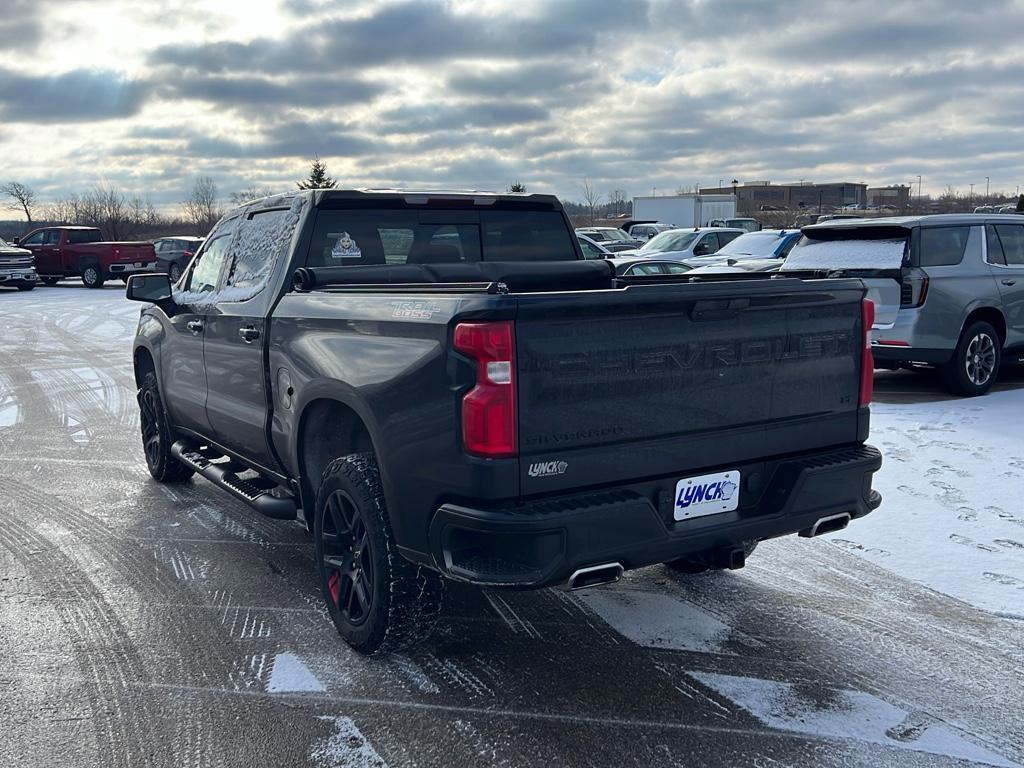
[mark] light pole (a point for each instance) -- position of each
(986, 190)
(918, 188)
(720, 185)
(735, 183)
(970, 200)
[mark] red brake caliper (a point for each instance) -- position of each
(334, 585)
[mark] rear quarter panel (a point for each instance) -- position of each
(953, 293)
(387, 358)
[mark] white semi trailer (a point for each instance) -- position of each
(684, 210)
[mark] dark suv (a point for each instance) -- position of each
(174, 253)
(948, 289)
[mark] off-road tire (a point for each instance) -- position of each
(156, 435)
(405, 599)
(699, 564)
(974, 366)
(26, 287)
(92, 277)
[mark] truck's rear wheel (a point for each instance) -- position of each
(703, 562)
(92, 277)
(975, 364)
(379, 601)
(156, 435)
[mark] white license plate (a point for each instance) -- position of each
(707, 495)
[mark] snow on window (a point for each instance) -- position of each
(846, 254)
(257, 242)
(262, 240)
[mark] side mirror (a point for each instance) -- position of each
(151, 288)
(15, 241)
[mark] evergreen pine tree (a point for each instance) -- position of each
(517, 186)
(318, 178)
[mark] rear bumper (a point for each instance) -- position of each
(540, 543)
(132, 268)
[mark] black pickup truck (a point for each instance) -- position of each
(439, 385)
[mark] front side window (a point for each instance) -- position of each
(1012, 238)
(942, 246)
(206, 270)
(36, 238)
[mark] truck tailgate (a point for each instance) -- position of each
(669, 379)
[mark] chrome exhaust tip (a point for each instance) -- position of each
(828, 524)
(595, 576)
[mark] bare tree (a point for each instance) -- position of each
(592, 198)
(617, 199)
(105, 207)
(252, 192)
(22, 197)
(201, 207)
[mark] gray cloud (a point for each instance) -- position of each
(78, 95)
(631, 94)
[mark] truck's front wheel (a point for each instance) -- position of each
(379, 601)
(92, 277)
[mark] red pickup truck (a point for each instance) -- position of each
(81, 252)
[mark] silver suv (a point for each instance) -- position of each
(948, 289)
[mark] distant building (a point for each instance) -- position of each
(896, 195)
(752, 195)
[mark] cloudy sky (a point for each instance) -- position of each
(632, 94)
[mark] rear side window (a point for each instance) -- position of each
(1012, 238)
(995, 248)
(371, 237)
(53, 237)
(728, 237)
(942, 246)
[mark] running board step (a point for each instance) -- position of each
(225, 476)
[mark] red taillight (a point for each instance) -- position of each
(867, 360)
(489, 408)
(188, 254)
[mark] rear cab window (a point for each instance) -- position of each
(78, 236)
(384, 236)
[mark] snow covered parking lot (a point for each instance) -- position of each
(143, 625)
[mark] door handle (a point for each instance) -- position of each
(249, 334)
(1009, 282)
(196, 326)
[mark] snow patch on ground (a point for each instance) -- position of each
(952, 517)
(658, 620)
(290, 675)
(346, 748)
(843, 714)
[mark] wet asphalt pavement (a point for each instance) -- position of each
(147, 625)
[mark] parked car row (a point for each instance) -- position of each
(50, 254)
